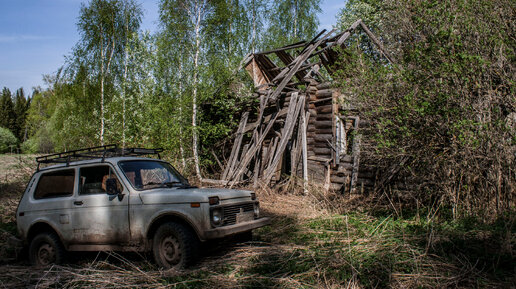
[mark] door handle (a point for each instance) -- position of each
(78, 203)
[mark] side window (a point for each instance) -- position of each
(93, 180)
(55, 184)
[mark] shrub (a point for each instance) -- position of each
(7, 139)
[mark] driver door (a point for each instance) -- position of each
(99, 218)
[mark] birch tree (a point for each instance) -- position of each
(103, 26)
(291, 21)
(189, 18)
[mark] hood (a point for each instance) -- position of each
(175, 195)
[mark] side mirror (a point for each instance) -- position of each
(111, 187)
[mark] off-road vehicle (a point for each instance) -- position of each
(112, 199)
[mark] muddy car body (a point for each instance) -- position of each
(127, 203)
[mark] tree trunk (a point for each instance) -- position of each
(195, 139)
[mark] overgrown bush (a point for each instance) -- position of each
(444, 123)
(7, 140)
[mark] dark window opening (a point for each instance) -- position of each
(93, 180)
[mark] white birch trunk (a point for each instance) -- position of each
(198, 9)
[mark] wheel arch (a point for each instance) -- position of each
(40, 227)
(171, 217)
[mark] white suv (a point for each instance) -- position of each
(111, 199)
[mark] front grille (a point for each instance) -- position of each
(230, 212)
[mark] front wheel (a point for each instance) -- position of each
(46, 249)
(174, 246)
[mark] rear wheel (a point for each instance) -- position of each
(46, 249)
(174, 246)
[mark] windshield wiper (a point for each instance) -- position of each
(172, 184)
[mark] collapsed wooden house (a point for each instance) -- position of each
(301, 131)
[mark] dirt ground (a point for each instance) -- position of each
(314, 241)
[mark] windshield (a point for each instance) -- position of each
(144, 175)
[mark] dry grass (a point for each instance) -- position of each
(315, 241)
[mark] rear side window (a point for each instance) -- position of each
(55, 184)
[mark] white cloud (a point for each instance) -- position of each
(21, 38)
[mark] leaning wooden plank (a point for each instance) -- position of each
(289, 127)
(356, 158)
(265, 120)
(378, 44)
(347, 33)
(244, 153)
(299, 61)
(252, 150)
(297, 151)
(236, 147)
(304, 124)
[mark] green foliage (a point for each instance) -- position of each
(7, 140)
(291, 21)
(7, 114)
(446, 113)
(30, 146)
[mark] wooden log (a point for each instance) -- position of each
(324, 109)
(344, 167)
(322, 160)
(341, 173)
(324, 85)
(322, 100)
(320, 144)
(323, 137)
(324, 93)
(322, 151)
(324, 116)
(323, 124)
(339, 179)
(312, 112)
(324, 131)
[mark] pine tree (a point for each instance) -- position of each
(7, 114)
(21, 104)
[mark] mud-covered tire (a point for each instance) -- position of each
(46, 249)
(174, 246)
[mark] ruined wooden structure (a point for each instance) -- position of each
(301, 130)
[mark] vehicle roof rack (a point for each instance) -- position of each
(99, 152)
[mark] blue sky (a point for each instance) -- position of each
(35, 36)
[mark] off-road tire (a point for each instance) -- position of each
(46, 249)
(175, 246)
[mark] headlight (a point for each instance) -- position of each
(256, 210)
(216, 217)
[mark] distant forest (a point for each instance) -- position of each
(446, 112)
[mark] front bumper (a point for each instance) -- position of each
(236, 228)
